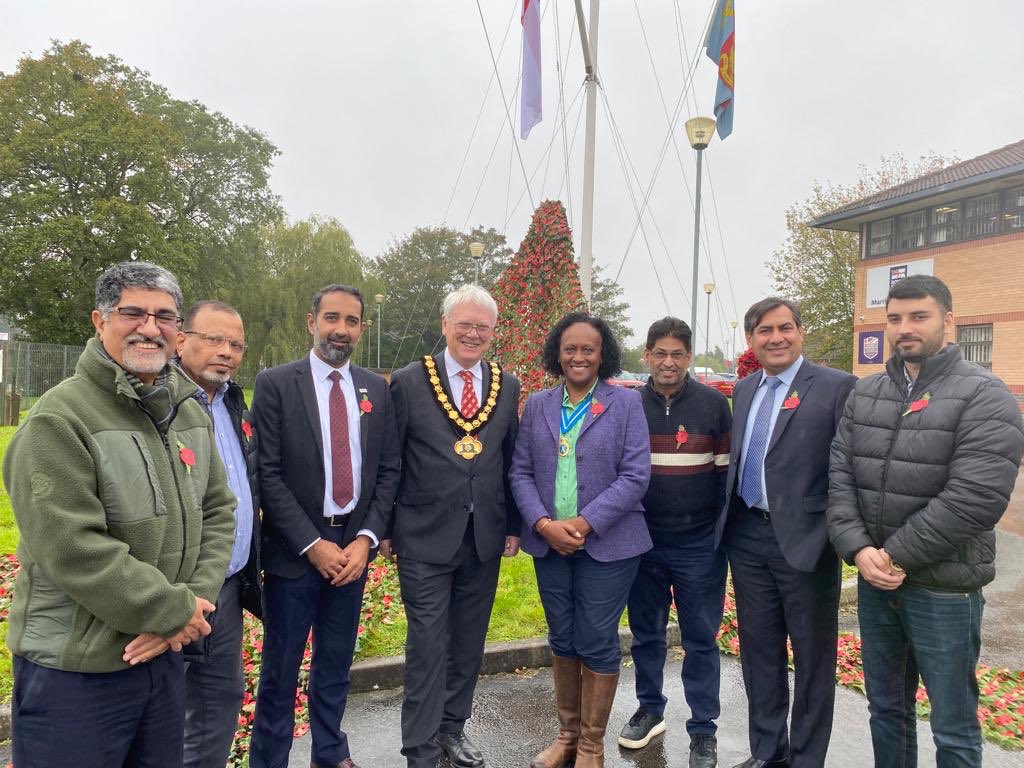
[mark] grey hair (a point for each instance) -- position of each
(469, 294)
(134, 274)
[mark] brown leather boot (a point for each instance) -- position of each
(566, 673)
(597, 696)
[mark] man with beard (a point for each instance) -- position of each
(126, 528)
(328, 467)
(210, 349)
(923, 465)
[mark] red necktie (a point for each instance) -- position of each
(470, 405)
(341, 458)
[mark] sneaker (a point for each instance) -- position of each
(703, 751)
(641, 728)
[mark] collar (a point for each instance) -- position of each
(322, 370)
(453, 367)
(787, 376)
(567, 403)
(218, 394)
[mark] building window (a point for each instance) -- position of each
(881, 238)
(982, 216)
(975, 343)
(1014, 211)
(910, 229)
(945, 223)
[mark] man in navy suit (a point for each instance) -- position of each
(785, 573)
(329, 469)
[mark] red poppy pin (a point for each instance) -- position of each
(365, 405)
(919, 405)
(681, 436)
(247, 429)
(792, 401)
(596, 408)
(187, 457)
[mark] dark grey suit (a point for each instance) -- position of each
(785, 573)
(451, 519)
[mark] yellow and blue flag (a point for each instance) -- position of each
(721, 49)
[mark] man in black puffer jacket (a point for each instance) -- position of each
(923, 465)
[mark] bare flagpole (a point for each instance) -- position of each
(589, 45)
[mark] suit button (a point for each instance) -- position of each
(582, 486)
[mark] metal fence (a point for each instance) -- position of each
(33, 368)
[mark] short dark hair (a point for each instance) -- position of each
(921, 287)
(764, 306)
(669, 326)
(134, 274)
(338, 288)
(611, 352)
(199, 306)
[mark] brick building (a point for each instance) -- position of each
(963, 224)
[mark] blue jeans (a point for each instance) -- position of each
(915, 631)
(694, 572)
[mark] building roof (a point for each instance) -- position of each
(998, 163)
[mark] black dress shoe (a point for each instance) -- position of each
(753, 762)
(462, 753)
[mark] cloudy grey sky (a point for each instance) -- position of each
(373, 103)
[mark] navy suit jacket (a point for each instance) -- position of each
(796, 461)
(291, 463)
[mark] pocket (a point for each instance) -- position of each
(129, 485)
(945, 595)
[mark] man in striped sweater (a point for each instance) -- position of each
(689, 425)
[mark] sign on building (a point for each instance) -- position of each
(879, 279)
(871, 348)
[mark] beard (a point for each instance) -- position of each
(213, 378)
(136, 361)
(925, 349)
(334, 350)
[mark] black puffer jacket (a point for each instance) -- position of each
(927, 485)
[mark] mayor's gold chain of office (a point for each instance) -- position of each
(442, 399)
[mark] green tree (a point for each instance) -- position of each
(606, 302)
(715, 360)
(98, 164)
(633, 359)
(415, 273)
(295, 261)
(816, 267)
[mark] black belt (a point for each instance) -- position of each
(336, 521)
(763, 514)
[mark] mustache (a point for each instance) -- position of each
(158, 340)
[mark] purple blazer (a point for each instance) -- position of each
(613, 467)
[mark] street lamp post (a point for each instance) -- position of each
(709, 288)
(734, 355)
(366, 346)
(379, 300)
(698, 131)
(476, 250)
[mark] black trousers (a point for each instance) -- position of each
(214, 686)
(448, 608)
(134, 718)
(773, 601)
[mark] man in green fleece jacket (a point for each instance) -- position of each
(126, 529)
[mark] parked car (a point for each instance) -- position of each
(717, 381)
(627, 380)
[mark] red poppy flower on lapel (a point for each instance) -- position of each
(681, 437)
(919, 405)
(365, 405)
(596, 408)
(247, 429)
(791, 402)
(188, 458)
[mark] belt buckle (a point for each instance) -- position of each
(337, 521)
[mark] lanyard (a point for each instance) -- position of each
(573, 418)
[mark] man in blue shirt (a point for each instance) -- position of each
(210, 349)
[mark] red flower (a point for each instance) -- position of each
(791, 402)
(681, 436)
(596, 408)
(187, 457)
(365, 405)
(247, 429)
(918, 405)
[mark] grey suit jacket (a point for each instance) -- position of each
(796, 461)
(439, 489)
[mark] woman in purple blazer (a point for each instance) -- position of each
(580, 468)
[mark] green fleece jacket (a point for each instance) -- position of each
(119, 533)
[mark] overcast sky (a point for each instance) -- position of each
(373, 102)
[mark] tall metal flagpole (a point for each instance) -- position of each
(590, 62)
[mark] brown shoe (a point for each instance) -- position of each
(598, 693)
(566, 674)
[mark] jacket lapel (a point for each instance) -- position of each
(307, 394)
(552, 410)
(801, 385)
(743, 397)
(361, 386)
(604, 394)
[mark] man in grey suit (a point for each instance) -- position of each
(785, 573)
(454, 519)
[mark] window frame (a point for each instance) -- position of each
(968, 346)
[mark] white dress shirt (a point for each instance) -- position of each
(456, 382)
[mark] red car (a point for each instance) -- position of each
(717, 381)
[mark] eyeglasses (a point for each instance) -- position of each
(661, 356)
(139, 315)
(482, 329)
(216, 342)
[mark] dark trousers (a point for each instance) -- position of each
(773, 601)
(293, 606)
(214, 685)
(694, 573)
(915, 631)
(583, 601)
(448, 608)
(134, 718)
